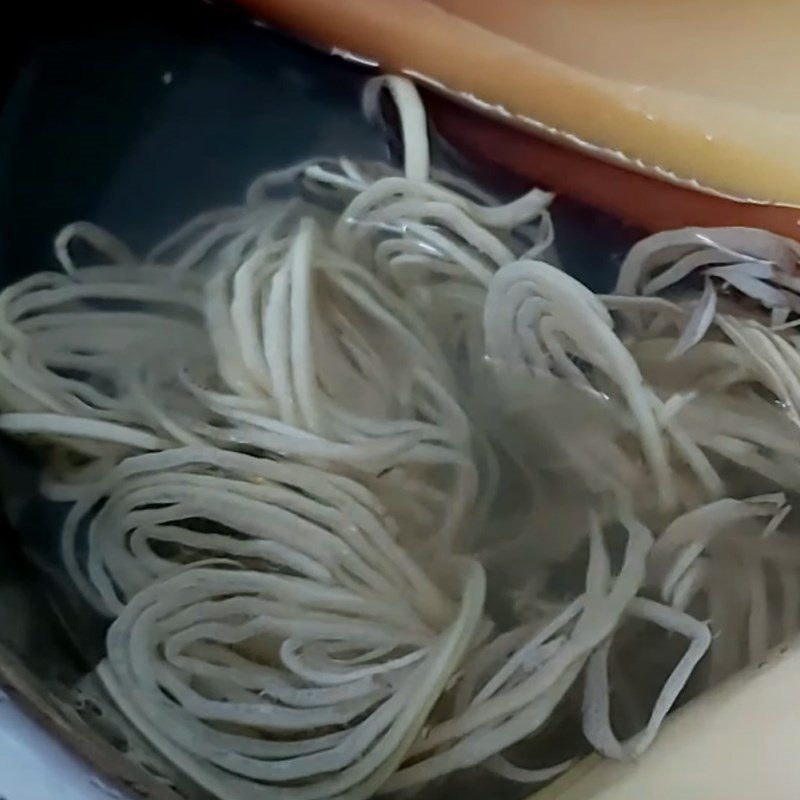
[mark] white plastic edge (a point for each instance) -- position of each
(35, 766)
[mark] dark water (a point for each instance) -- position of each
(136, 117)
(142, 117)
(137, 120)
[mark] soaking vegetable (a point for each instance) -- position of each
(370, 490)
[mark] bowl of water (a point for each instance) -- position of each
(335, 462)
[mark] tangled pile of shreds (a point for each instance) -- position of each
(328, 456)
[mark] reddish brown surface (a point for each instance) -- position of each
(403, 34)
(638, 199)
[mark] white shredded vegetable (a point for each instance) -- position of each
(370, 490)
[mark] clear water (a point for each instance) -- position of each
(138, 121)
